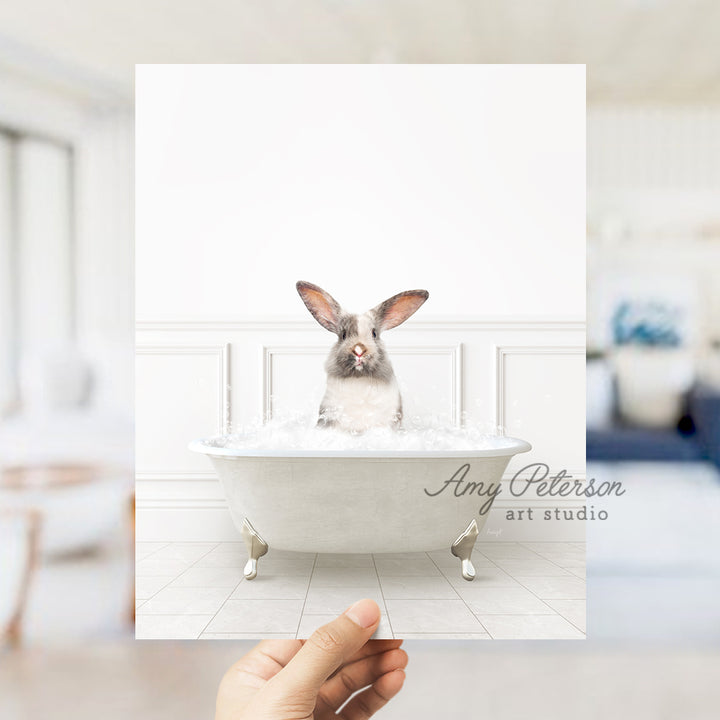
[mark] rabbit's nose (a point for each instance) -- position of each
(359, 350)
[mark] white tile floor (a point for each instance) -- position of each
(522, 590)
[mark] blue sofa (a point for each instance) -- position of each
(696, 437)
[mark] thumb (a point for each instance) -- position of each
(328, 648)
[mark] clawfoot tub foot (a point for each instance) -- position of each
(256, 548)
(462, 548)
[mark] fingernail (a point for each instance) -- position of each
(364, 613)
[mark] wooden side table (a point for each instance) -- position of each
(28, 522)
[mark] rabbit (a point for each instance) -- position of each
(362, 391)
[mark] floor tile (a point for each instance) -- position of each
(147, 586)
(351, 560)
(446, 636)
(257, 616)
(413, 587)
(286, 564)
(310, 623)
(445, 559)
(526, 568)
(161, 567)
(578, 572)
(484, 577)
(573, 611)
(566, 559)
(238, 546)
(273, 587)
(220, 577)
(503, 601)
(291, 555)
(344, 577)
(170, 627)
(545, 547)
(566, 588)
(223, 559)
(267, 565)
(186, 601)
(530, 627)
(144, 549)
(247, 636)
(507, 551)
(405, 564)
(412, 616)
(190, 552)
(328, 600)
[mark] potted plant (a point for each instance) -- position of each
(654, 367)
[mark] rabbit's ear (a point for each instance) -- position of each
(399, 308)
(321, 305)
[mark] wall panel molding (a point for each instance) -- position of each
(454, 354)
(438, 323)
(223, 356)
(467, 358)
(503, 351)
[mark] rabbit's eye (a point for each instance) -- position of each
(374, 333)
(344, 334)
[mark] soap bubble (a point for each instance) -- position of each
(300, 432)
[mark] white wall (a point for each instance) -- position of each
(468, 181)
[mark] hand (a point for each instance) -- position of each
(312, 679)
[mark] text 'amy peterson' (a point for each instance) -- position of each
(535, 475)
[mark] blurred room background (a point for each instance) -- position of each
(66, 328)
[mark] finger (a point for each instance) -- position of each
(281, 651)
(328, 648)
(368, 702)
(355, 676)
(264, 661)
(374, 647)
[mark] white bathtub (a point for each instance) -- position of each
(360, 502)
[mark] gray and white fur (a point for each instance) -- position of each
(362, 391)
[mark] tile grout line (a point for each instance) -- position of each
(460, 597)
(554, 612)
(307, 592)
(150, 553)
(552, 562)
(172, 579)
(230, 594)
(545, 577)
(382, 595)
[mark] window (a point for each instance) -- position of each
(37, 265)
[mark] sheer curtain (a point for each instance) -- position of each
(7, 301)
(37, 264)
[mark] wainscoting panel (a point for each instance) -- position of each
(200, 378)
(181, 393)
(430, 377)
(537, 386)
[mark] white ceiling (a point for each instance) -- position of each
(636, 50)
